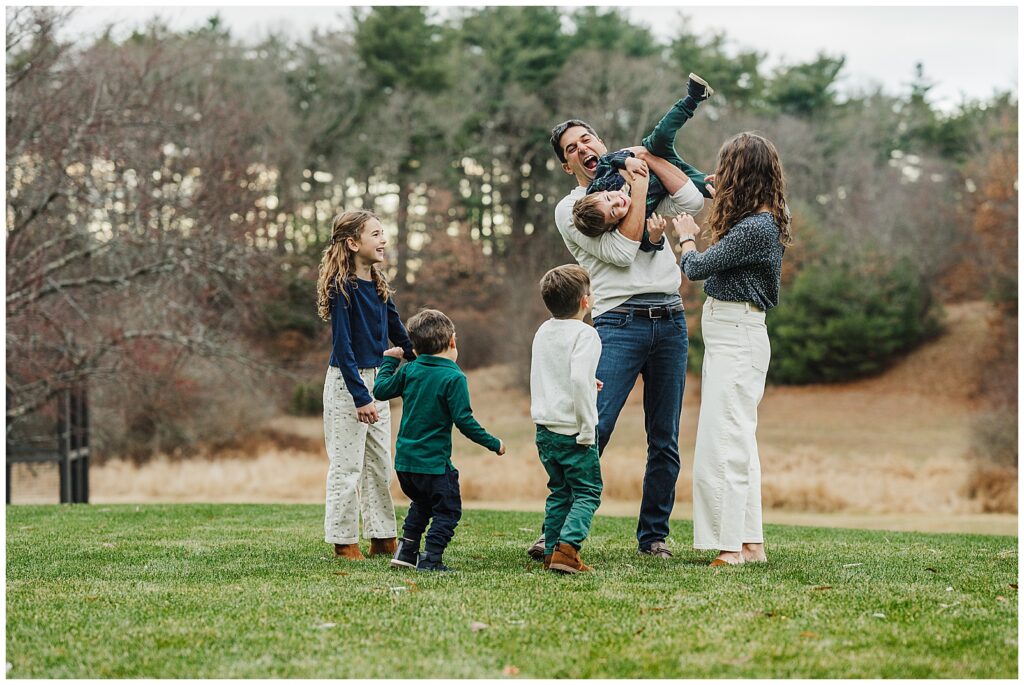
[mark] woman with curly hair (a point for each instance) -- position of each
(748, 231)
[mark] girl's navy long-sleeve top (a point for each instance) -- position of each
(360, 330)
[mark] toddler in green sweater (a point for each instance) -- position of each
(435, 397)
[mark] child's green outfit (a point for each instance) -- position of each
(563, 404)
(434, 397)
(574, 481)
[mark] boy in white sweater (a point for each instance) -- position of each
(563, 393)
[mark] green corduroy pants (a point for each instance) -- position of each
(574, 480)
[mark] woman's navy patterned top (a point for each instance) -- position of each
(744, 266)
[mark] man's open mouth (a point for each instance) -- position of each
(590, 162)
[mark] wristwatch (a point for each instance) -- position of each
(688, 240)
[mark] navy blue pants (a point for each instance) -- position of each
(435, 499)
(654, 349)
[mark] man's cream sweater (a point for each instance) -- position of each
(618, 269)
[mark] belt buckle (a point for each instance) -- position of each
(651, 310)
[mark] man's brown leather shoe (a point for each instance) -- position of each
(387, 546)
(350, 552)
(567, 560)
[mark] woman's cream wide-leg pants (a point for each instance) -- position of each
(726, 469)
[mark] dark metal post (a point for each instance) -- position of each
(64, 445)
(84, 444)
(74, 441)
(7, 443)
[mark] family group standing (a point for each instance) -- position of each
(627, 276)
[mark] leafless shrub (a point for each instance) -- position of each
(134, 213)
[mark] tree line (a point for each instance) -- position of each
(169, 193)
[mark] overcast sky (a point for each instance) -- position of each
(966, 51)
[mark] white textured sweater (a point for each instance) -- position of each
(563, 381)
(618, 269)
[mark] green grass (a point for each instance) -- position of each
(242, 591)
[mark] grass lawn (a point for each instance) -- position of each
(243, 591)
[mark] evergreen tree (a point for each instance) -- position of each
(806, 89)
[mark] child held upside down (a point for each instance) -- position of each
(605, 204)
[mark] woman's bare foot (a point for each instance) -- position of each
(728, 559)
(754, 552)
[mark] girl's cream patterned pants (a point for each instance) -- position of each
(360, 465)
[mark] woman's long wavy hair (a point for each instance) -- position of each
(749, 176)
(338, 264)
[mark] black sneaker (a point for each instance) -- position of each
(698, 88)
(536, 550)
(432, 562)
(407, 554)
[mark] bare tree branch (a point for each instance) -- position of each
(20, 226)
(26, 296)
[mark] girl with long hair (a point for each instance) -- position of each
(748, 231)
(354, 295)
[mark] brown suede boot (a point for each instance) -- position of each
(567, 560)
(350, 552)
(386, 546)
(547, 561)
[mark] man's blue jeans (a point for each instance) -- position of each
(656, 350)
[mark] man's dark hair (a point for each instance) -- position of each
(562, 289)
(558, 131)
(430, 331)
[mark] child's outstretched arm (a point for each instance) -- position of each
(457, 395)
(389, 384)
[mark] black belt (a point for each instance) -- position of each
(659, 312)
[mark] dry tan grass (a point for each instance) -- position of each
(35, 483)
(891, 445)
(268, 476)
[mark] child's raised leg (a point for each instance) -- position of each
(661, 141)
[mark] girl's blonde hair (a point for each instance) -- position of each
(338, 267)
(749, 176)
